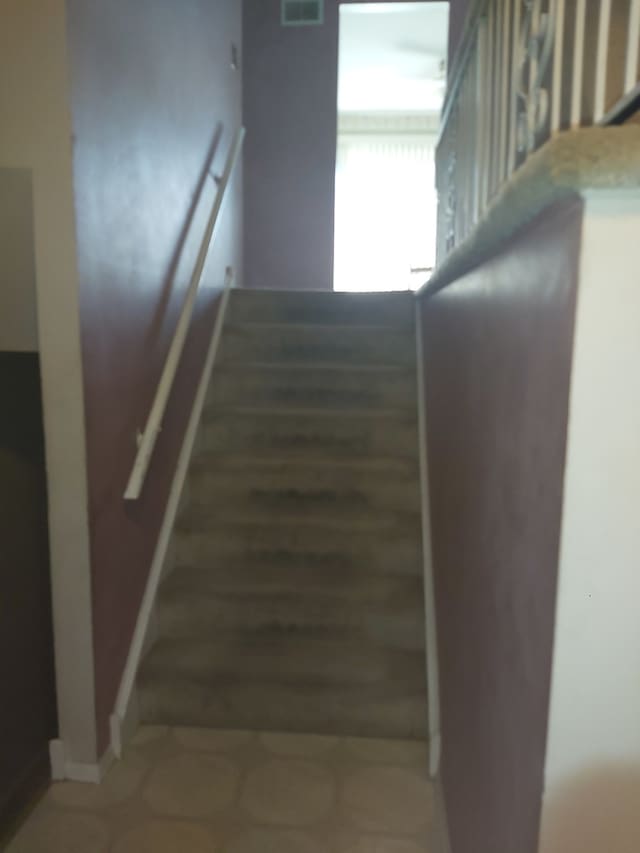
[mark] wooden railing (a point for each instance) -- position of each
(527, 70)
(147, 439)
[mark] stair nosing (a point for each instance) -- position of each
(369, 327)
(387, 413)
(334, 366)
(209, 461)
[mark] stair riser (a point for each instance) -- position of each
(200, 618)
(359, 588)
(264, 707)
(321, 308)
(312, 346)
(311, 389)
(344, 437)
(309, 551)
(272, 495)
(195, 663)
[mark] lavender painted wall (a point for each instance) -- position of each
(289, 93)
(497, 347)
(152, 92)
(458, 10)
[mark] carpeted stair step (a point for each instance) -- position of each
(322, 307)
(302, 488)
(287, 658)
(379, 710)
(305, 548)
(315, 344)
(355, 583)
(326, 516)
(296, 598)
(344, 433)
(313, 387)
(214, 461)
(193, 613)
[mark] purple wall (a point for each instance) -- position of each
(152, 89)
(457, 15)
(290, 91)
(497, 364)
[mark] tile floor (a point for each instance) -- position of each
(202, 791)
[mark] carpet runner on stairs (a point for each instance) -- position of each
(296, 600)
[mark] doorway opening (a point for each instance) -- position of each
(391, 85)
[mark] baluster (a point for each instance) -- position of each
(496, 95)
(633, 47)
(558, 19)
(602, 57)
(516, 58)
(475, 85)
(578, 63)
(483, 119)
(505, 113)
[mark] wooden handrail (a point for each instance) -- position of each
(147, 439)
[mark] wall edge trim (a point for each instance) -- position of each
(431, 634)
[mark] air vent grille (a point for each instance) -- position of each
(302, 13)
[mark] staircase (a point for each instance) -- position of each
(296, 602)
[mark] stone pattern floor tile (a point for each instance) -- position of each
(161, 836)
(202, 791)
(273, 841)
(49, 831)
(192, 785)
(211, 739)
(307, 745)
(387, 799)
(290, 793)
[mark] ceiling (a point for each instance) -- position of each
(392, 56)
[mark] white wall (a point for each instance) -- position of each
(36, 135)
(592, 797)
(18, 324)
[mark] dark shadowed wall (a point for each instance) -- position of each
(28, 709)
(152, 91)
(497, 349)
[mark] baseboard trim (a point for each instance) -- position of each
(123, 721)
(431, 638)
(62, 769)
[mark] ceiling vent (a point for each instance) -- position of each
(302, 13)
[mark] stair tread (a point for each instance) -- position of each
(216, 658)
(335, 709)
(305, 325)
(355, 585)
(199, 515)
(211, 460)
(312, 367)
(213, 411)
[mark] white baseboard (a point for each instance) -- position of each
(63, 769)
(431, 639)
(123, 721)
